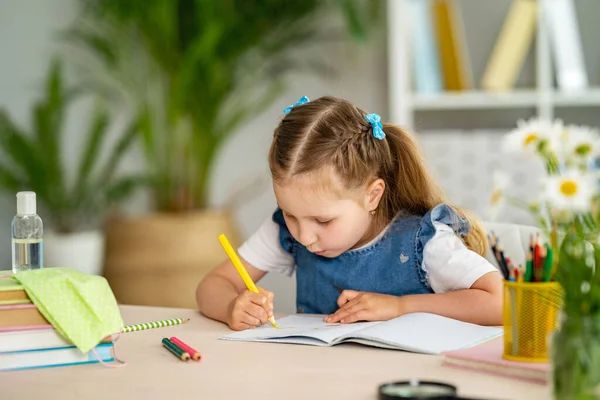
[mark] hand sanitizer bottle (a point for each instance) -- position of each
(27, 235)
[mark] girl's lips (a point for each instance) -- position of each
(319, 253)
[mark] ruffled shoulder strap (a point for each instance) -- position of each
(441, 213)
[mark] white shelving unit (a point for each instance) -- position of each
(475, 99)
(404, 103)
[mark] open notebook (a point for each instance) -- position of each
(417, 332)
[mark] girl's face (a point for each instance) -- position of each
(324, 218)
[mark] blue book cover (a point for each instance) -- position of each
(426, 63)
(53, 357)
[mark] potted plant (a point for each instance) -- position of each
(72, 209)
(193, 71)
(568, 211)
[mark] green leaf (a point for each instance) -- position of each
(124, 187)
(124, 143)
(92, 150)
(595, 281)
(48, 123)
(576, 266)
(9, 181)
(24, 156)
(94, 41)
(241, 112)
(49, 114)
(353, 20)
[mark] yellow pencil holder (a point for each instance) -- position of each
(529, 316)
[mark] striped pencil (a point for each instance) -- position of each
(156, 324)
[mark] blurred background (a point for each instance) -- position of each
(144, 126)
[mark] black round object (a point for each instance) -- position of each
(416, 390)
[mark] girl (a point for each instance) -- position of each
(362, 224)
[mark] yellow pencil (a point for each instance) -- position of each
(240, 269)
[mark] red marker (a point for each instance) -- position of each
(193, 353)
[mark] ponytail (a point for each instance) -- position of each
(411, 189)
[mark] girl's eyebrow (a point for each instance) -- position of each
(322, 217)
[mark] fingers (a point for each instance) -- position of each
(342, 314)
(247, 316)
(241, 326)
(250, 310)
(335, 317)
(353, 311)
(361, 315)
(346, 296)
(250, 320)
(258, 314)
(261, 300)
(346, 309)
(268, 294)
(350, 302)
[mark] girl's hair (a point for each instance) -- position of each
(332, 133)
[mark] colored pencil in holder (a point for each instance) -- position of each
(539, 263)
(512, 273)
(502, 262)
(548, 263)
(493, 241)
(528, 267)
(531, 243)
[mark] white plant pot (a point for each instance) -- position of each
(83, 251)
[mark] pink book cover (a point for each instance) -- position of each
(25, 328)
(487, 358)
(16, 306)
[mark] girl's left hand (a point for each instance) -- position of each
(366, 306)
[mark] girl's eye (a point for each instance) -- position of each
(324, 222)
(288, 216)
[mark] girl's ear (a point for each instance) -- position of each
(374, 194)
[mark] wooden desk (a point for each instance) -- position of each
(238, 370)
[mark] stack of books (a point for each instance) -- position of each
(28, 340)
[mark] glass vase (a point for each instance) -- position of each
(575, 358)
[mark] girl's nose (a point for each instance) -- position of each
(306, 237)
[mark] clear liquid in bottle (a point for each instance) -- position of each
(27, 235)
(27, 254)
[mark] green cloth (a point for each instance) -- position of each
(81, 307)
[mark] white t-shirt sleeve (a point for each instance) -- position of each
(450, 265)
(263, 250)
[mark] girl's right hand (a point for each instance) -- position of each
(249, 310)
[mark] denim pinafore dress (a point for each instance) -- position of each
(392, 265)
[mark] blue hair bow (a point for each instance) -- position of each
(375, 121)
(302, 100)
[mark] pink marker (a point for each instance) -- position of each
(193, 353)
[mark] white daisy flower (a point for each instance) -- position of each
(528, 136)
(572, 191)
(581, 142)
